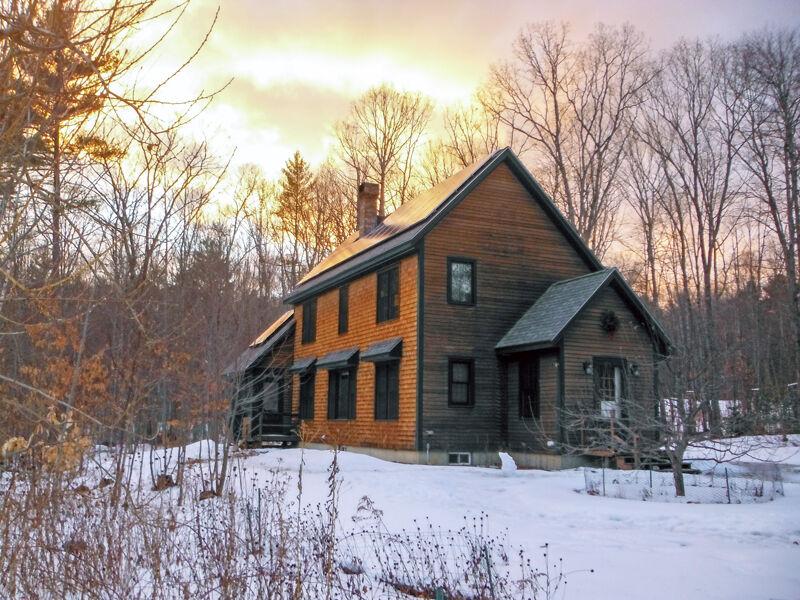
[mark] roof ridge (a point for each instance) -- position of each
(378, 236)
(606, 271)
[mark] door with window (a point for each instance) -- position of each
(610, 386)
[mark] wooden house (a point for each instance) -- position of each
(472, 319)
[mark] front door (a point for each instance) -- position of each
(529, 402)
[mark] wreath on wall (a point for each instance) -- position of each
(609, 321)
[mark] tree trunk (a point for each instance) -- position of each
(55, 267)
(676, 461)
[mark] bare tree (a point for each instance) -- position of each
(645, 185)
(69, 59)
(691, 123)
(570, 107)
(470, 133)
(380, 139)
(770, 133)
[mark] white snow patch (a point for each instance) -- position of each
(507, 464)
(750, 449)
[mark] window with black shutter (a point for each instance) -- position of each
(309, 321)
(307, 396)
(342, 394)
(387, 390)
(461, 376)
(388, 294)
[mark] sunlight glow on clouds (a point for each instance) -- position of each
(348, 73)
(297, 64)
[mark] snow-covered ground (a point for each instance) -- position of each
(635, 549)
(751, 449)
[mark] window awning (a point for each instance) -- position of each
(339, 359)
(391, 349)
(301, 365)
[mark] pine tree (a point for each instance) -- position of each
(295, 204)
(69, 88)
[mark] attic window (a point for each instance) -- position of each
(461, 281)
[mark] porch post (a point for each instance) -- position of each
(560, 395)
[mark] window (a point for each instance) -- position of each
(609, 383)
(461, 281)
(387, 387)
(307, 396)
(309, 321)
(342, 394)
(388, 292)
(344, 308)
(462, 381)
(459, 458)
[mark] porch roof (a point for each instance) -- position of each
(543, 323)
(268, 341)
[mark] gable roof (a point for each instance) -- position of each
(545, 322)
(278, 331)
(400, 232)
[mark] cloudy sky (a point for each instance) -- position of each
(296, 65)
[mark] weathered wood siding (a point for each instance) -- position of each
(363, 330)
(586, 339)
(519, 253)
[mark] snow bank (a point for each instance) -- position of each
(750, 449)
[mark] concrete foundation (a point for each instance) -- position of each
(524, 460)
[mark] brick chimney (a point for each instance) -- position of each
(367, 207)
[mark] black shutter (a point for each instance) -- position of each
(307, 396)
(392, 390)
(394, 289)
(332, 379)
(380, 391)
(344, 308)
(382, 293)
(309, 321)
(352, 396)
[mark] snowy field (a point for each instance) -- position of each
(636, 549)
(611, 548)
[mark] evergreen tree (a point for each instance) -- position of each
(67, 81)
(294, 215)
